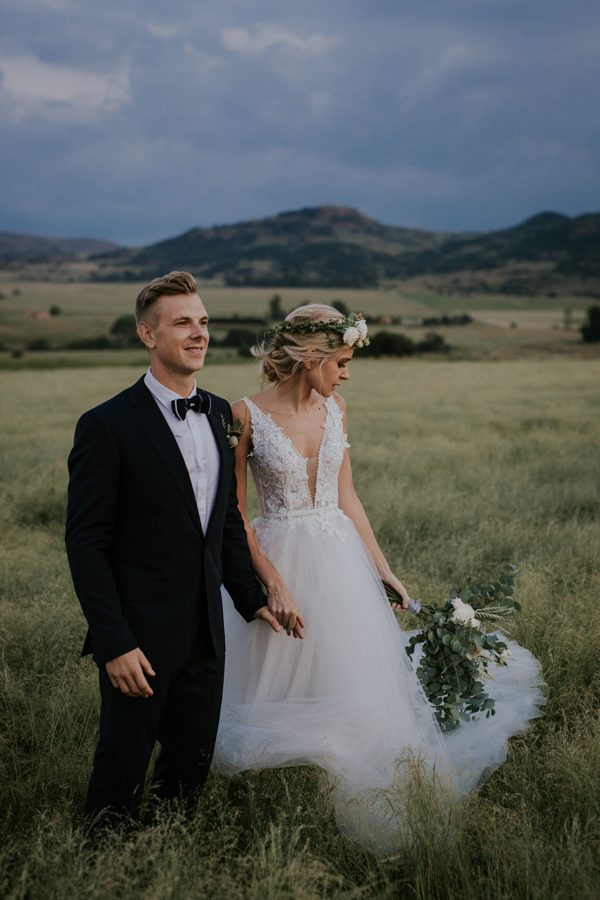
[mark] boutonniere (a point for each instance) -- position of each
(233, 431)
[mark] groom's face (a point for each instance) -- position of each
(177, 333)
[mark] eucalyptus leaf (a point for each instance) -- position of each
(452, 681)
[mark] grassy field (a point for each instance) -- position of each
(90, 309)
(503, 327)
(462, 465)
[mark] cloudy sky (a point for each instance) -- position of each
(137, 119)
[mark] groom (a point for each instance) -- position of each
(153, 528)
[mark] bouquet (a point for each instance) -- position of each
(458, 648)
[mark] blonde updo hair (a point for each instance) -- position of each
(284, 355)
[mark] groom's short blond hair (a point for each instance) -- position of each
(166, 285)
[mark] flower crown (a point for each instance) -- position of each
(351, 328)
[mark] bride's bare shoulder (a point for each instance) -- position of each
(263, 399)
(239, 410)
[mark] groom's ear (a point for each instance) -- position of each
(146, 335)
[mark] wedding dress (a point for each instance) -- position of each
(345, 698)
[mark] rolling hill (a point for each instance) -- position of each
(570, 246)
(333, 246)
(336, 246)
(325, 245)
(15, 248)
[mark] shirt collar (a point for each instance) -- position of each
(163, 394)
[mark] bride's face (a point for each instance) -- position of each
(325, 378)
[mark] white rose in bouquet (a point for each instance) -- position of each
(464, 614)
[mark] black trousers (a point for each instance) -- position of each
(182, 715)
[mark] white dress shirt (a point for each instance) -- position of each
(196, 443)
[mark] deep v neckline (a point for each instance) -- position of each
(304, 459)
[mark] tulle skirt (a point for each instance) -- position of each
(346, 698)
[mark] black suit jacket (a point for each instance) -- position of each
(142, 567)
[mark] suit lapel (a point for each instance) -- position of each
(152, 422)
(223, 448)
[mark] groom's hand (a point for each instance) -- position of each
(126, 673)
(267, 616)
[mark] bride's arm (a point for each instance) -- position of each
(351, 505)
(279, 600)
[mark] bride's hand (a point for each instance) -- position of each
(283, 606)
(397, 586)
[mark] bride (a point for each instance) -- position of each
(345, 695)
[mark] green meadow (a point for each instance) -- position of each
(503, 326)
(462, 466)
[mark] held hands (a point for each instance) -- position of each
(126, 673)
(281, 611)
(267, 616)
(283, 606)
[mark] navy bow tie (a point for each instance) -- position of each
(200, 403)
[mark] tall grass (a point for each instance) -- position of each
(461, 466)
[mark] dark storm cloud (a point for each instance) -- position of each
(134, 120)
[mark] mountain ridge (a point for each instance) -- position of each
(338, 246)
(18, 247)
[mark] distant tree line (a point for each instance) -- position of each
(590, 331)
(245, 331)
(419, 321)
(389, 343)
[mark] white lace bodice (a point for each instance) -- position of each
(280, 472)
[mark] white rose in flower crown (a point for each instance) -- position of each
(361, 327)
(351, 336)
